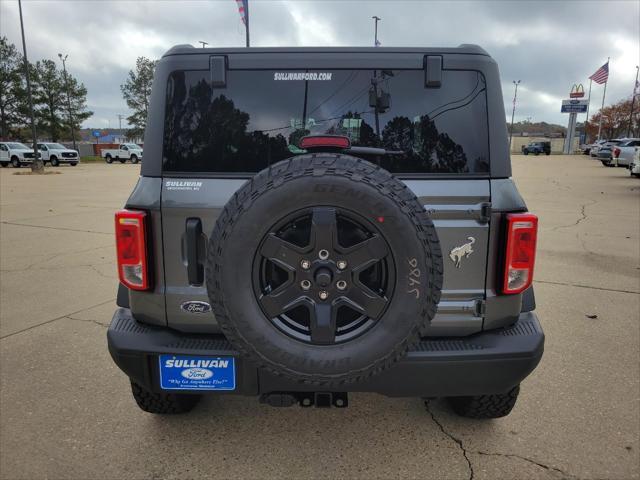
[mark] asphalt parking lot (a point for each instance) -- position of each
(66, 411)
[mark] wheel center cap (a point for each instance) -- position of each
(323, 277)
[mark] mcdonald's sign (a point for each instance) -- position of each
(577, 91)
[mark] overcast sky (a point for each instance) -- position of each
(547, 45)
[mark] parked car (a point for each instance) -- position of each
(537, 148)
(16, 153)
(300, 275)
(622, 154)
(605, 151)
(593, 150)
(56, 154)
(126, 151)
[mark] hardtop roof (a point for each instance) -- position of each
(464, 49)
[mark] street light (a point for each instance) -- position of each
(513, 112)
(37, 165)
(66, 85)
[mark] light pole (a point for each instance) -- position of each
(376, 19)
(36, 165)
(633, 101)
(66, 86)
(513, 112)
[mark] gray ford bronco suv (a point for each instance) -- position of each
(311, 222)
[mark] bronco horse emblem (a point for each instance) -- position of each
(458, 253)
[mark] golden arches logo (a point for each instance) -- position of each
(577, 91)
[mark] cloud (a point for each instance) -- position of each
(549, 46)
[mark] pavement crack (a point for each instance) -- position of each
(452, 437)
(577, 285)
(68, 315)
(86, 320)
(529, 460)
(583, 216)
(55, 228)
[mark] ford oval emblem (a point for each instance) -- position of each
(197, 373)
(196, 307)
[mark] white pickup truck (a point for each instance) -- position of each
(17, 153)
(622, 154)
(126, 151)
(56, 154)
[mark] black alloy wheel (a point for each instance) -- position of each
(323, 275)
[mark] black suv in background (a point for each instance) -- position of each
(311, 222)
(537, 148)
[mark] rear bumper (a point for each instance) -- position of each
(489, 362)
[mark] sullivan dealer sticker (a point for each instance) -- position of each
(188, 372)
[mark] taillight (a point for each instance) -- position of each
(131, 246)
(522, 233)
(326, 141)
(616, 152)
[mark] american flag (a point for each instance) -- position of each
(601, 75)
(243, 7)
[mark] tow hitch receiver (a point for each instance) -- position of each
(306, 399)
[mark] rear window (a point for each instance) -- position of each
(261, 115)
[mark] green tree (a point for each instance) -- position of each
(78, 100)
(136, 91)
(50, 99)
(13, 100)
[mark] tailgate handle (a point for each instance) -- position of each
(195, 244)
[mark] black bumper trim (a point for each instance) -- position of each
(488, 362)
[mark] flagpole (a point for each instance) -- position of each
(246, 16)
(586, 122)
(603, 95)
(633, 101)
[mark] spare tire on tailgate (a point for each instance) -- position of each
(324, 268)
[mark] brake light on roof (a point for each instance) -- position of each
(522, 234)
(616, 152)
(324, 141)
(131, 247)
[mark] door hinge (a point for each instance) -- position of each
(485, 212)
(480, 308)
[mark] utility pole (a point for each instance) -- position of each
(246, 18)
(120, 117)
(204, 44)
(633, 101)
(66, 84)
(36, 165)
(513, 112)
(376, 20)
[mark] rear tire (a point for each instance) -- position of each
(54, 161)
(15, 161)
(526, 152)
(163, 403)
(485, 406)
(4, 164)
(108, 159)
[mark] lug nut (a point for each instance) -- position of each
(342, 264)
(323, 295)
(323, 254)
(341, 284)
(305, 284)
(305, 264)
